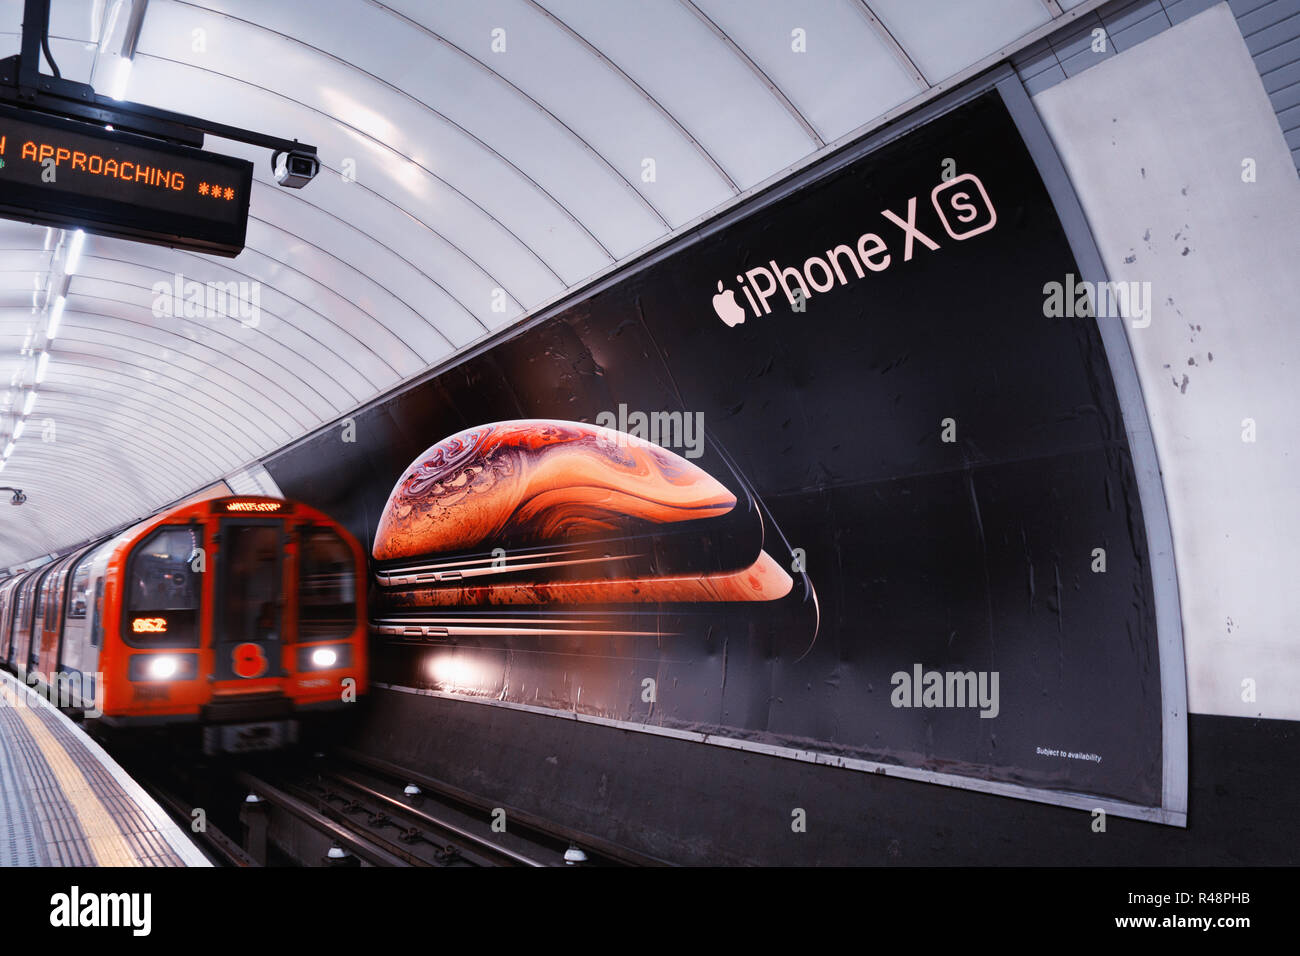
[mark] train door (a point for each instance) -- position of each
(47, 660)
(16, 659)
(249, 606)
(78, 655)
(29, 626)
(6, 619)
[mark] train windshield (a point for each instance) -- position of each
(250, 592)
(327, 586)
(163, 588)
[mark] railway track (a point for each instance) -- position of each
(348, 808)
(405, 827)
(551, 839)
(214, 842)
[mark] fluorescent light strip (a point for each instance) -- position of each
(56, 316)
(73, 258)
(121, 76)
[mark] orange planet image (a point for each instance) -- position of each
(539, 480)
(551, 482)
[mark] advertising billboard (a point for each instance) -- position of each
(841, 476)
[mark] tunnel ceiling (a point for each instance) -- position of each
(479, 159)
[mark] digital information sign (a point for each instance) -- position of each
(59, 172)
(254, 507)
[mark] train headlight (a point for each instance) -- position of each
(163, 667)
(324, 657)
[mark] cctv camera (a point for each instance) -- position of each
(18, 498)
(295, 169)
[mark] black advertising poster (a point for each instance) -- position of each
(824, 478)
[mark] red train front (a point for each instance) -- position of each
(240, 614)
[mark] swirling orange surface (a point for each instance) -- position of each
(539, 480)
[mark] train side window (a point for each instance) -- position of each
(163, 589)
(20, 613)
(7, 626)
(97, 622)
(52, 596)
(78, 598)
(327, 585)
(42, 598)
(23, 620)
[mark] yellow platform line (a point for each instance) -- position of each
(107, 844)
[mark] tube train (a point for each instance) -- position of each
(235, 614)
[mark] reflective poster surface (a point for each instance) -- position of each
(844, 473)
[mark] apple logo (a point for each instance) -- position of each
(728, 309)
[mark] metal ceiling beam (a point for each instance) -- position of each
(895, 47)
(23, 83)
(757, 70)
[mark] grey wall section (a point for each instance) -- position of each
(1271, 29)
(1272, 32)
(1071, 51)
